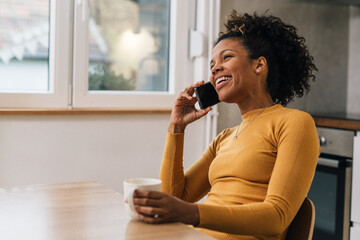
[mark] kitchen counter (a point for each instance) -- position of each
(341, 121)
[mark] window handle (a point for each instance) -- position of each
(197, 40)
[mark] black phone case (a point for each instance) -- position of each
(206, 95)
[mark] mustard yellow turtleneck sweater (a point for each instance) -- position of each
(255, 183)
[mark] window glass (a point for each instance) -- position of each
(128, 45)
(24, 45)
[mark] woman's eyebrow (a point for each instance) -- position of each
(221, 53)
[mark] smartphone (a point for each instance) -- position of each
(206, 95)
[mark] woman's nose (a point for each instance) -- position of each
(216, 68)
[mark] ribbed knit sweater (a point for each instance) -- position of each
(255, 183)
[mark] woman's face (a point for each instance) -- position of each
(233, 74)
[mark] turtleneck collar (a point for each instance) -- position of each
(251, 114)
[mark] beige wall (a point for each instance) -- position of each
(36, 149)
(326, 30)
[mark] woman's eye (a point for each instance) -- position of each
(227, 56)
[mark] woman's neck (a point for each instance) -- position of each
(253, 104)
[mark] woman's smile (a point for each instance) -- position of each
(221, 81)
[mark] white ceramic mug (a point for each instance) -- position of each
(138, 183)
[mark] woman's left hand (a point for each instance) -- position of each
(158, 207)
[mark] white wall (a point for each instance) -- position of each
(37, 149)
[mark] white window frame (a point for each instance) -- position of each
(180, 66)
(59, 64)
(68, 65)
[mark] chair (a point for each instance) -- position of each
(302, 227)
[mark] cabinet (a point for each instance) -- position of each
(355, 198)
(354, 233)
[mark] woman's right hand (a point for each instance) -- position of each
(184, 111)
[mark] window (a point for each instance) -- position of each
(29, 61)
(131, 53)
(94, 53)
(24, 44)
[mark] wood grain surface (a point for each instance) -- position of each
(77, 211)
(337, 123)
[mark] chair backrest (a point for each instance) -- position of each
(302, 227)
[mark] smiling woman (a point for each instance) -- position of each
(257, 174)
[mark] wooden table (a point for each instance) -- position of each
(79, 210)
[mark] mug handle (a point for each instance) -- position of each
(130, 197)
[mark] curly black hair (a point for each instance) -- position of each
(290, 66)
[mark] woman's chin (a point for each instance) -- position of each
(221, 98)
(224, 99)
(227, 99)
(224, 95)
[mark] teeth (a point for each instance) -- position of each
(221, 79)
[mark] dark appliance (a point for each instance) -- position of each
(331, 187)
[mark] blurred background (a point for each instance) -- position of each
(59, 58)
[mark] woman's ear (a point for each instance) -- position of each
(261, 64)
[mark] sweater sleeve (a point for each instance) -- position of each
(192, 185)
(294, 168)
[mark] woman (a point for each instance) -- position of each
(256, 174)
